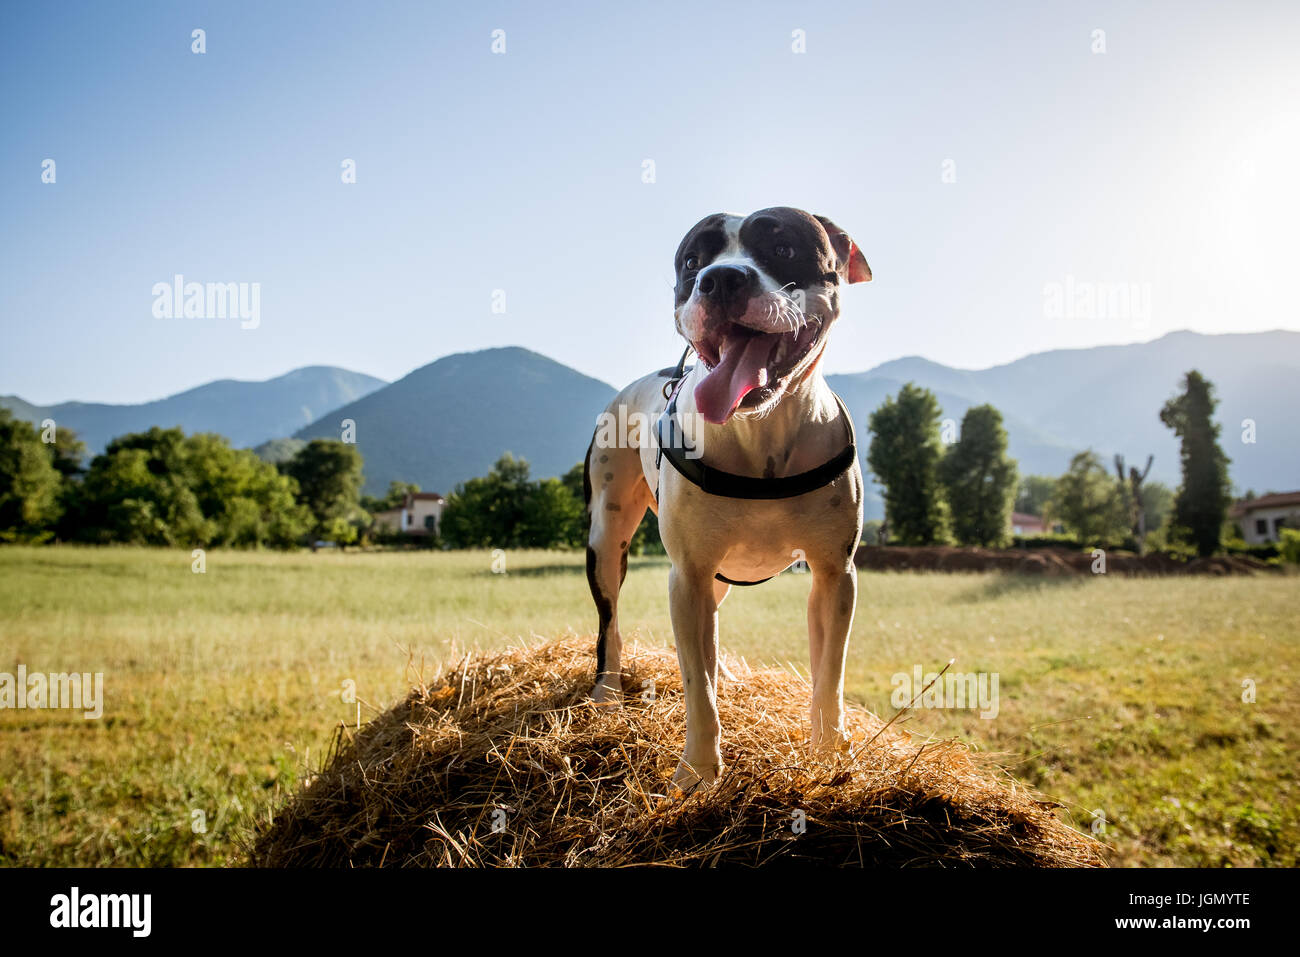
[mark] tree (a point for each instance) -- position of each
(1157, 501)
(1130, 491)
(137, 492)
(248, 501)
(505, 509)
(904, 455)
(163, 488)
(553, 516)
(328, 473)
(1033, 493)
(489, 511)
(393, 498)
(1202, 500)
(1087, 502)
(29, 482)
(979, 479)
(67, 453)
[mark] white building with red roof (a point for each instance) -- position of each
(1262, 519)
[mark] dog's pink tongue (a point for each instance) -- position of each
(741, 367)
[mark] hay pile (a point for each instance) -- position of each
(501, 763)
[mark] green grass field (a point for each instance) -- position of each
(222, 689)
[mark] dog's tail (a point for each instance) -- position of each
(586, 475)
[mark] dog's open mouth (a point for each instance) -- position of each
(743, 362)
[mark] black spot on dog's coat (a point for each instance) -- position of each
(604, 609)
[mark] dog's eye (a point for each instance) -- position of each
(692, 262)
(785, 252)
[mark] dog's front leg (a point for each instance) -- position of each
(830, 619)
(695, 626)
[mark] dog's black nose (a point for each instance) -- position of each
(728, 284)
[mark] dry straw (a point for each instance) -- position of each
(501, 763)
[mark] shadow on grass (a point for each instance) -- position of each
(578, 568)
(58, 565)
(1012, 585)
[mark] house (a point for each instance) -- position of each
(419, 514)
(1022, 524)
(1262, 519)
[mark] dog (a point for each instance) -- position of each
(769, 476)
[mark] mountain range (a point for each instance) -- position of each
(247, 413)
(1108, 398)
(451, 419)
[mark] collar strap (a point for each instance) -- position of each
(672, 446)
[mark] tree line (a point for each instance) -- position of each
(964, 493)
(162, 487)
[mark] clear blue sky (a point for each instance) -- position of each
(1172, 160)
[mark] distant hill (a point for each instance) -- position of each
(451, 420)
(247, 413)
(1108, 398)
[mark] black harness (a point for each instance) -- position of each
(673, 447)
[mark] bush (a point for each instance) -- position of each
(1290, 546)
(1048, 540)
(1073, 543)
(1264, 551)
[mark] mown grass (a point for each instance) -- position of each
(222, 689)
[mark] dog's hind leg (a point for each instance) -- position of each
(831, 604)
(617, 497)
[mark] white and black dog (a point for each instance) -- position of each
(770, 474)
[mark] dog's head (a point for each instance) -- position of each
(755, 297)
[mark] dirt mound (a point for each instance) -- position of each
(1226, 565)
(501, 763)
(1044, 561)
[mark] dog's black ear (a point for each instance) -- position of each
(852, 264)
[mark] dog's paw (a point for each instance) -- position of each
(608, 693)
(689, 778)
(837, 743)
(832, 740)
